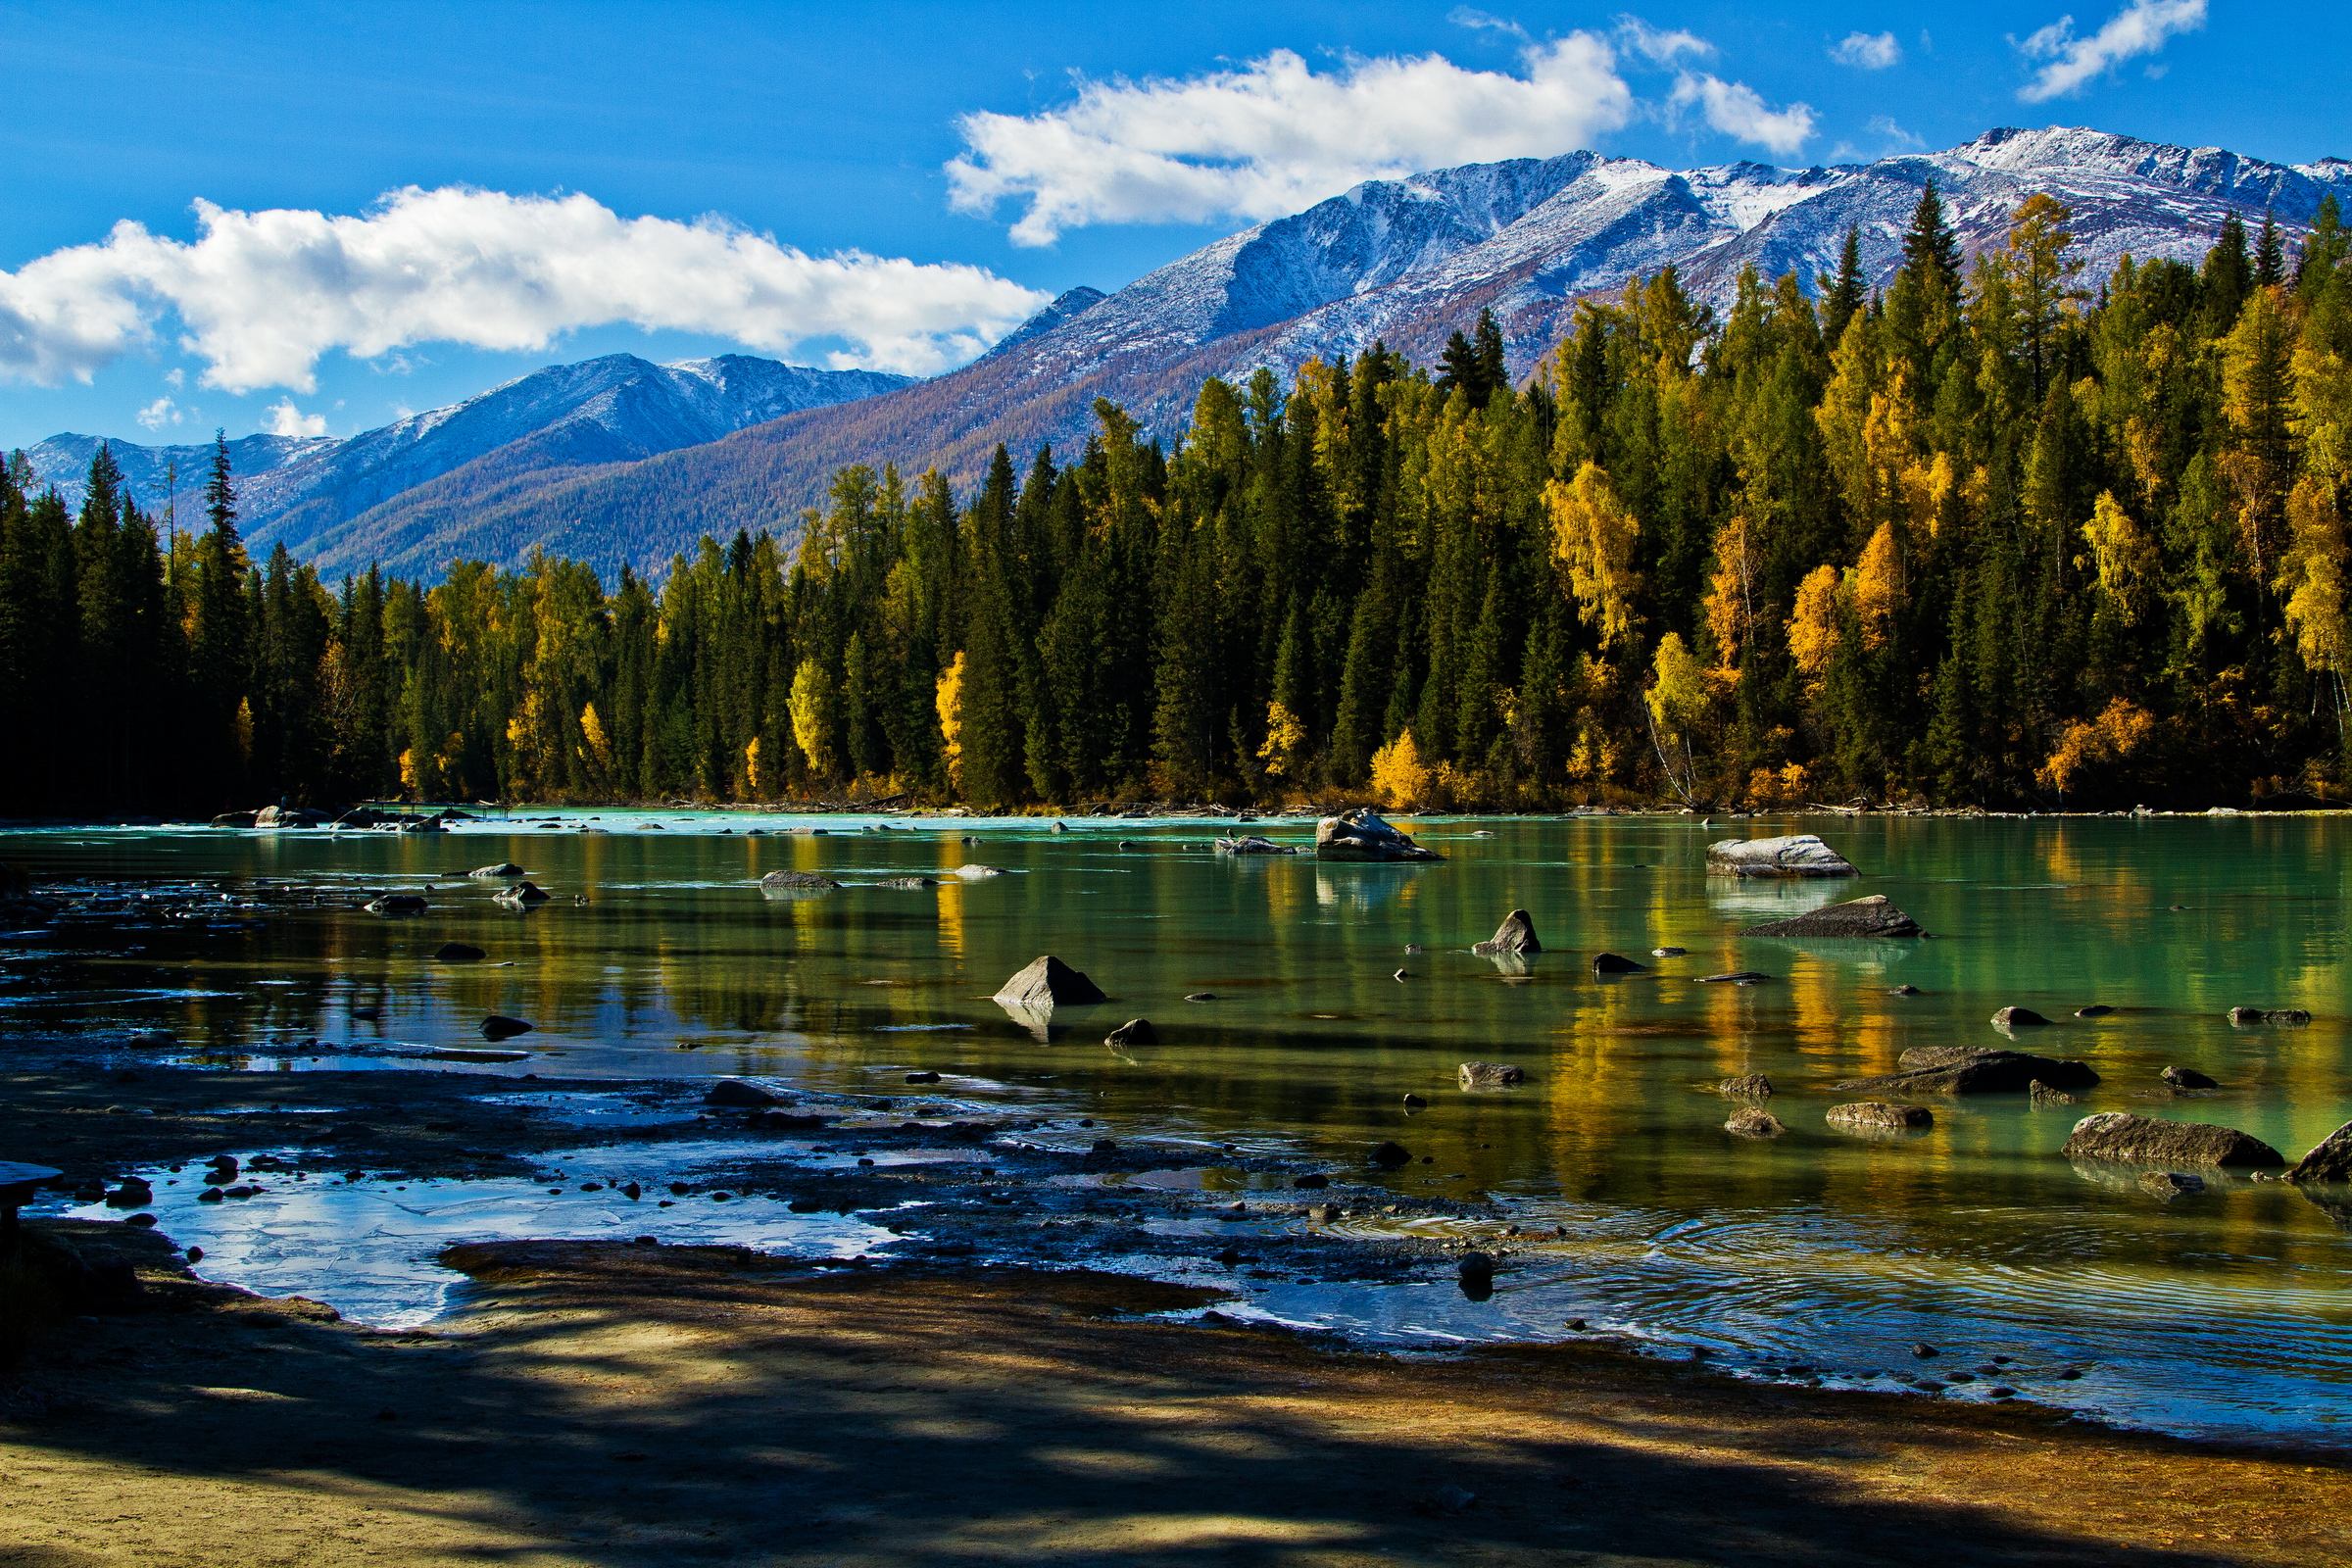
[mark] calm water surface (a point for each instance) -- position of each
(2229, 1311)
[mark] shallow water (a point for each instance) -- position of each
(2226, 1312)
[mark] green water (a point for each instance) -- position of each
(2227, 1310)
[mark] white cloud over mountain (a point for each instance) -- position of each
(1740, 112)
(2070, 62)
(260, 297)
(1274, 135)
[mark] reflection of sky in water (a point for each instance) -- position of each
(367, 1247)
(1815, 1247)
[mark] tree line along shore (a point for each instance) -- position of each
(1993, 536)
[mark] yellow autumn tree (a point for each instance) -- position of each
(1813, 626)
(2124, 554)
(1677, 700)
(2120, 731)
(947, 700)
(1878, 587)
(812, 718)
(1592, 534)
(751, 766)
(1400, 778)
(2312, 577)
(595, 743)
(1284, 736)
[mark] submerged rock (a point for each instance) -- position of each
(2014, 1017)
(2188, 1078)
(1748, 1086)
(976, 873)
(2170, 1183)
(1134, 1032)
(1797, 855)
(1616, 963)
(522, 895)
(2288, 1017)
(906, 884)
(1732, 977)
(736, 1094)
(498, 1026)
(1363, 835)
(1751, 1122)
(1968, 1070)
(2097, 1010)
(1516, 934)
(1668, 952)
(1879, 1118)
(1491, 1075)
(457, 953)
(2043, 1094)
(492, 873)
(2126, 1139)
(1389, 1156)
(2330, 1159)
(1863, 918)
(397, 903)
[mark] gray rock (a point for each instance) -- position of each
(1968, 1070)
(288, 817)
(2285, 1018)
(1516, 934)
(1879, 1118)
(906, 884)
(2017, 1018)
(522, 895)
(1873, 918)
(1732, 977)
(2128, 1140)
(1252, 844)
(493, 873)
(1748, 1086)
(2043, 1094)
(2188, 1078)
(1491, 1075)
(2330, 1159)
(791, 883)
(1799, 854)
(1134, 1032)
(1049, 983)
(1751, 1122)
(1616, 963)
(976, 873)
(1363, 835)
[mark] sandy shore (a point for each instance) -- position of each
(623, 1405)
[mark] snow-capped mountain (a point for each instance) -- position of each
(562, 458)
(1406, 261)
(345, 501)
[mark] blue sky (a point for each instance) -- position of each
(892, 184)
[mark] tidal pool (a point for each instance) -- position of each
(2225, 1312)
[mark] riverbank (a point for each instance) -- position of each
(623, 1405)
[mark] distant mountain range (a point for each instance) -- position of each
(592, 461)
(417, 493)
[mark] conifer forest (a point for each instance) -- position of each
(1999, 535)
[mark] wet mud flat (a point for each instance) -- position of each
(621, 1403)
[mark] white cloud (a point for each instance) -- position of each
(2140, 29)
(1737, 111)
(1884, 127)
(261, 296)
(1272, 135)
(1661, 45)
(1478, 20)
(283, 418)
(161, 413)
(1868, 51)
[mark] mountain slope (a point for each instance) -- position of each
(1406, 261)
(378, 495)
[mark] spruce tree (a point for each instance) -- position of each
(1846, 293)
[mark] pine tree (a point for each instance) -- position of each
(2270, 254)
(1844, 294)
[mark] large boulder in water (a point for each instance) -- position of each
(2128, 1140)
(288, 817)
(1795, 855)
(1516, 934)
(1046, 984)
(502, 870)
(1870, 917)
(1967, 1070)
(1361, 835)
(521, 895)
(789, 884)
(2330, 1159)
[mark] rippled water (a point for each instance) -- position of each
(2226, 1310)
